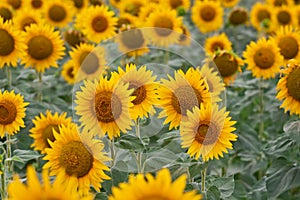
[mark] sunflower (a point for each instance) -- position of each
(58, 13)
(213, 80)
(77, 160)
(143, 83)
(207, 132)
(80, 4)
(182, 93)
(37, 190)
(297, 10)
(145, 12)
(97, 2)
(207, 15)
(132, 42)
(125, 20)
(229, 3)
(263, 58)
(68, 72)
(262, 17)
(285, 16)
(132, 7)
(103, 107)
(25, 17)
(11, 44)
(227, 63)
(12, 112)
(15, 4)
(288, 40)
(43, 128)
(44, 47)
(288, 88)
(6, 11)
(185, 36)
(279, 3)
(217, 42)
(98, 23)
(238, 16)
(73, 37)
(164, 27)
(176, 4)
(89, 61)
(149, 187)
(35, 4)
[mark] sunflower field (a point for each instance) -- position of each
(149, 100)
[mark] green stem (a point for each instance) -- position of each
(166, 56)
(40, 94)
(137, 128)
(112, 152)
(188, 175)
(261, 109)
(3, 186)
(9, 79)
(203, 177)
(139, 155)
(9, 162)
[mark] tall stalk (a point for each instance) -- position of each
(261, 109)
(9, 77)
(40, 84)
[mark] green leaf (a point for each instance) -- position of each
(212, 193)
(225, 185)
(24, 156)
(130, 142)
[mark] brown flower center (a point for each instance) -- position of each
(108, 107)
(293, 84)
(139, 92)
(133, 8)
(73, 38)
(76, 159)
(207, 133)
(40, 47)
(238, 16)
(89, 62)
(8, 112)
(7, 43)
(57, 13)
(48, 133)
(36, 3)
(175, 3)
(5, 13)
(207, 13)
(288, 47)
(99, 24)
(284, 17)
(78, 3)
(185, 98)
(217, 46)
(96, 2)
(226, 64)
(263, 14)
(27, 22)
(123, 21)
(133, 39)
(280, 2)
(15, 3)
(70, 72)
(163, 27)
(264, 58)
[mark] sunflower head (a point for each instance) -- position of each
(73, 37)
(262, 17)
(69, 71)
(279, 3)
(238, 16)
(229, 3)
(217, 43)
(6, 12)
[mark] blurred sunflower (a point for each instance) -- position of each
(288, 40)
(15, 4)
(216, 43)
(238, 16)
(180, 94)
(143, 83)
(207, 15)
(288, 88)
(279, 3)
(285, 16)
(132, 42)
(11, 44)
(44, 47)
(97, 2)
(176, 4)
(207, 132)
(262, 17)
(80, 4)
(227, 63)
(58, 13)
(213, 80)
(263, 58)
(77, 160)
(132, 7)
(148, 187)
(37, 190)
(297, 10)
(12, 112)
(43, 128)
(6, 11)
(185, 36)
(229, 3)
(164, 27)
(73, 37)
(68, 72)
(98, 23)
(103, 107)
(125, 20)
(35, 4)
(145, 12)
(25, 17)
(89, 61)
